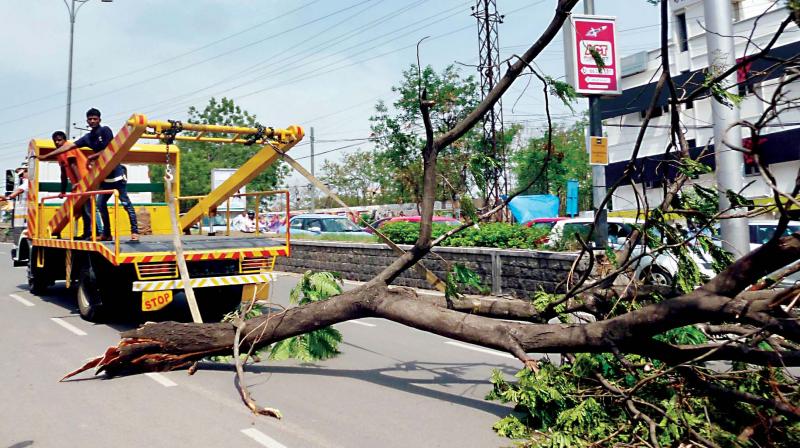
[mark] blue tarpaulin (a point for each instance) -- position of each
(525, 208)
(572, 197)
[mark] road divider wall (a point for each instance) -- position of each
(506, 271)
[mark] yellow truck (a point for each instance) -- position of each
(142, 276)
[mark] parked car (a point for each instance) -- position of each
(762, 231)
(377, 224)
(545, 222)
(320, 224)
(217, 224)
(439, 219)
(661, 269)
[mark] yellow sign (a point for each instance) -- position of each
(155, 300)
(598, 151)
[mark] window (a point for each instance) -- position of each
(657, 112)
(746, 86)
(297, 223)
(750, 165)
(751, 169)
(761, 233)
(340, 225)
(738, 12)
(653, 183)
(312, 224)
(680, 28)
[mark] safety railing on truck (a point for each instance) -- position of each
(45, 232)
(206, 213)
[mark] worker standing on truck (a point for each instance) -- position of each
(73, 167)
(98, 139)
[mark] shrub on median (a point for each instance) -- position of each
(497, 235)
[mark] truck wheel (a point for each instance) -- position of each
(90, 305)
(37, 284)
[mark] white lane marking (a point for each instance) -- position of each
(68, 326)
(262, 439)
(479, 349)
(21, 300)
(359, 323)
(161, 379)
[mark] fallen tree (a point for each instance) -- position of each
(636, 375)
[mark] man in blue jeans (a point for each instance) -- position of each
(98, 139)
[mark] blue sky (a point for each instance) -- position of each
(320, 63)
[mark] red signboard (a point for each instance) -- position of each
(586, 39)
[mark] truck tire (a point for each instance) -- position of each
(37, 283)
(90, 304)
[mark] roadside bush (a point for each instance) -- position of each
(497, 235)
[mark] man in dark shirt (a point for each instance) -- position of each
(98, 139)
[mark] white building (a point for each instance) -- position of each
(622, 115)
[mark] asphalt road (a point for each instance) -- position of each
(392, 386)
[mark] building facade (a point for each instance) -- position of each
(755, 23)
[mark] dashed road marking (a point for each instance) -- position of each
(161, 379)
(366, 324)
(21, 300)
(479, 349)
(68, 326)
(262, 439)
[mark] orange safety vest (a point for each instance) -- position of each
(80, 161)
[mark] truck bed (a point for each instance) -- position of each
(163, 243)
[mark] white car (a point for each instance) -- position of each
(762, 231)
(660, 269)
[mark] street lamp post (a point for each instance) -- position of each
(73, 12)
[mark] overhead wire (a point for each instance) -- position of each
(308, 54)
(314, 73)
(191, 65)
(321, 63)
(170, 59)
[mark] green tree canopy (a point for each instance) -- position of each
(355, 179)
(569, 161)
(400, 134)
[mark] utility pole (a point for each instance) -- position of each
(730, 163)
(73, 13)
(485, 11)
(313, 192)
(598, 171)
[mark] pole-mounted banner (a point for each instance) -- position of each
(591, 57)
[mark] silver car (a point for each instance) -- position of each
(658, 269)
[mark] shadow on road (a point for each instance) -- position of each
(443, 374)
(63, 297)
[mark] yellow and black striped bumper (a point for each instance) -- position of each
(228, 280)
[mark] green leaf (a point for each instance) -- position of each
(720, 91)
(318, 344)
(692, 168)
(564, 91)
(737, 200)
(468, 208)
(598, 58)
